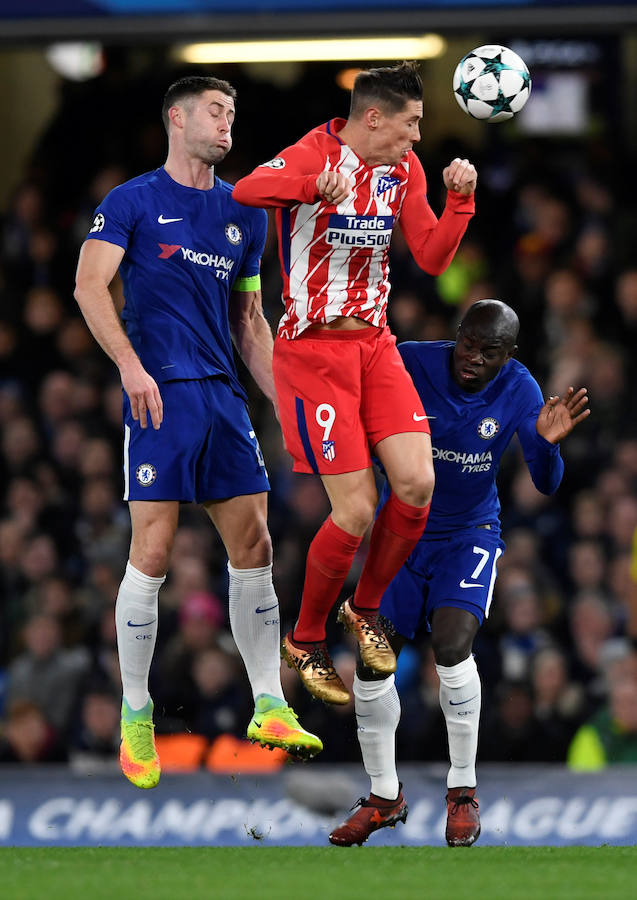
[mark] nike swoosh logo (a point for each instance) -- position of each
(140, 624)
(258, 724)
(267, 608)
(163, 221)
(460, 702)
(418, 418)
(464, 584)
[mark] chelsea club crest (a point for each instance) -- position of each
(233, 233)
(146, 474)
(488, 428)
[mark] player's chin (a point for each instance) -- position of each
(217, 155)
(395, 157)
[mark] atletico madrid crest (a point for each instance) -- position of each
(387, 186)
(329, 450)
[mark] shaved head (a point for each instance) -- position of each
(485, 342)
(492, 320)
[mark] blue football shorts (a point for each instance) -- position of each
(205, 449)
(444, 570)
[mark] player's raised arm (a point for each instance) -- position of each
(288, 178)
(540, 435)
(432, 241)
(97, 265)
(559, 415)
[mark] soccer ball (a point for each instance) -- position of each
(491, 83)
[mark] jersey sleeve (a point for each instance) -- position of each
(114, 218)
(543, 458)
(433, 242)
(288, 178)
(245, 280)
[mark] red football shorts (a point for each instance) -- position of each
(340, 393)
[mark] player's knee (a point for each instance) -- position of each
(355, 516)
(417, 490)
(452, 650)
(150, 559)
(254, 551)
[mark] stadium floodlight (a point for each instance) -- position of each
(425, 46)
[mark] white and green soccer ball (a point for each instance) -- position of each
(491, 83)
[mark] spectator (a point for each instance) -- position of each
(511, 732)
(201, 616)
(217, 705)
(587, 565)
(559, 704)
(591, 627)
(523, 633)
(28, 737)
(94, 743)
(610, 736)
(47, 675)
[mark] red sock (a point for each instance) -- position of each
(329, 559)
(395, 534)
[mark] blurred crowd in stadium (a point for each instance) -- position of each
(553, 236)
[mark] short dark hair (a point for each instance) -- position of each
(192, 86)
(389, 86)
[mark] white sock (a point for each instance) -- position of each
(377, 715)
(460, 695)
(254, 620)
(136, 612)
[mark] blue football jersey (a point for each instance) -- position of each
(184, 250)
(470, 432)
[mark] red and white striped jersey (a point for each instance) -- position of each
(335, 259)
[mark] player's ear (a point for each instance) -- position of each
(371, 117)
(513, 350)
(176, 116)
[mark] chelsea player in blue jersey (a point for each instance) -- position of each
(477, 397)
(189, 258)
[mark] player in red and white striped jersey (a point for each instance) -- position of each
(342, 388)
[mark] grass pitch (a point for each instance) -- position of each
(317, 873)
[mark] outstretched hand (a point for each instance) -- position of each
(559, 415)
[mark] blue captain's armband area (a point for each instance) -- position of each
(251, 283)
